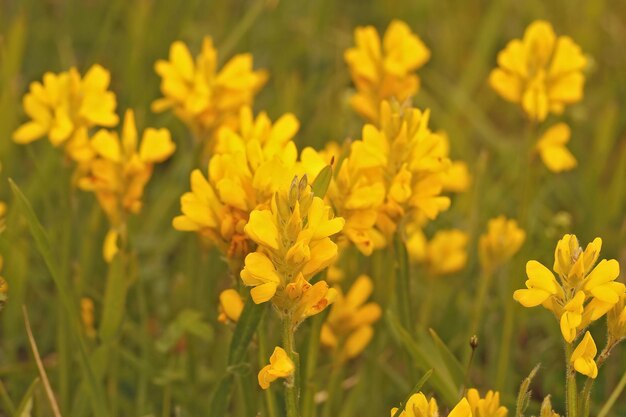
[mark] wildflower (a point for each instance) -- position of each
(446, 252)
(120, 171)
(456, 178)
(546, 408)
(502, 240)
(485, 407)
(293, 239)
(616, 320)
(541, 72)
(583, 357)
(409, 158)
(584, 292)
(87, 316)
(200, 95)
(553, 151)
(418, 406)
(230, 307)
(381, 72)
(348, 327)
(280, 367)
(63, 106)
(249, 166)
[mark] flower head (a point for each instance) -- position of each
(583, 357)
(501, 241)
(541, 72)
(202, 96)
(230, 307)
(64, 106)
(384, 71)
(280, 366)
(348, 327)
(489, 406)
(444, 254)
(616, 320)
(419, 406)
(553, 150)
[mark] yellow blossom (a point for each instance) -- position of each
(502, 240)
(63, 106)
(553, 150)
(541, 72)
(87, 316)
(120, 171)
(616, 320)
(280, 366)
(418, 406)
(446, 252)
(202, 96)
(293, 238)
(456, 178)
(489, 406)
(384, 71)
(230, 307)
(348, 327)
(583, 357)
(585, 291)
(248, 167)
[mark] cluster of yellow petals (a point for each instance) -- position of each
(583, 357)
(120, 170)
(420, 406)
(202, 96)
(384, 70)
(489, 406)
(280, 366)
(230, 306)
(541, 72)
(348, 327)
(65, 106)
(249, 165)
(293, 238)
(584, 292)
(553, 151)
(499, 243)
(444, 254)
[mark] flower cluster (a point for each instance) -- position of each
(120, 170)
(381, 71)
(503, 239)
(202, 96)
(65, 106)
(444, 254)
(293, 238)
(348, 327)
(489, 406)
(419, 406)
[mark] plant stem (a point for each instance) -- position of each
(308, 403)
(613, 397)
(402, 282)
(485, 282)
(272, 408)
(570, 384)
(292, 390)
(334, 385)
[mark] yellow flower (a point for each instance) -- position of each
(553, 150)
(64, 106)
(381, 72)
(87, 316)
(410, 159)
(120, 171)
(456, 178)
(501, 241)
(293, 239)
(584, 292)
(200, 95)
(418, 406)
(280, 367)
(446, 252)
(616, 320)
(583, 357)
(230, 307)
(348, 327)
(542, 72)
(485, 407)
(249, 166)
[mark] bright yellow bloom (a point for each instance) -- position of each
(584, 292)
(65, 105)
(200, 95)
(583, 357)
(249, 166)
(409, 158)
(616, 320)
(120, 171)
(382, 72)
(293, 238)
(553, 150)
(501, 241)
(542, 72)
(485, 407)
(230, 307)
(445, 253)
(456, 178)
(280, 366)
(419, 406)
(348, 327)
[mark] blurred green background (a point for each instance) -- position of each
(301, 44)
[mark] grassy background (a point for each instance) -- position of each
(302, 44)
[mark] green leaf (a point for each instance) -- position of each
(188, 321)
(451, 361)
(45, 249)
(114, 301)
(246, 326)
(26, 405)
(415, 390)
(322, 181)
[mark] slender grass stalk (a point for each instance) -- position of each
(270, 400)
(334, 386)
(6, 400)
(570, 384)
(426, 309)
(505, 343)
(402, 281)
(479, 305)
(308, 403)
(292, 388)
(604, 411)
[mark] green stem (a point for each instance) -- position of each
(292, 390)
(585, 398)
(308, 403)
(570, 383)
(272, 408)
(334, 386)
(613, 397)
(402, 282)
(485, 282)
(505, 345)
(426, 308)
